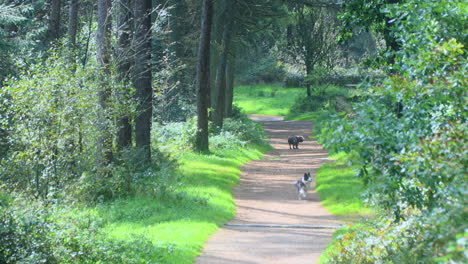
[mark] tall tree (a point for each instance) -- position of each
(230, 71)
(203, 77)
(220, 100)
(124, 29)
(312, 36)
(72, 23)
(142, 74)
(103, 57)
(53, 32)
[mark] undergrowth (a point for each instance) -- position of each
(167, 220)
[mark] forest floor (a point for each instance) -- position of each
(266, 196)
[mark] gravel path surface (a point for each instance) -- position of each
(266, 196)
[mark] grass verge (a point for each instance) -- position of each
(339, 190)
(178, 223)
(266, 99)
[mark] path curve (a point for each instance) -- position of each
(266, 196)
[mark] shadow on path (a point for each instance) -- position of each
(266, 195)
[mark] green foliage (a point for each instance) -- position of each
(47, 108)
(293, 80)
(311, 35)
(323, 97)
(35, 233)
(410, 140)
(168, 219)
(22, 28)
(363, 13)
(264, 70)
(174, 136)
(435, 238)
(432, 124)
(177, 137)
(51, 124)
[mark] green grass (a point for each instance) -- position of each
(266, 99)
(180, 222)
(339, 190)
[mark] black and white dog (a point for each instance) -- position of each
(302, 185)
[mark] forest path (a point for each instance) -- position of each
(266, 196)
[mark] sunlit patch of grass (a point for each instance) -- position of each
(181, 220)
(266, 99)
(339, 190)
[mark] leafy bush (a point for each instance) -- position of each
(434, 238)
(237, 131)
(265, 70)
(50, 115)
(245, 129)
(326, 96)
(294, 80)
(174, 136)
(410, 137)
(29, 233)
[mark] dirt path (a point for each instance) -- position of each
(266, 195)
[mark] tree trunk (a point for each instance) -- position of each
(142, 74)
(103, 58)
(309, 69)
(215, 52)
(54, 20)
(72, 23)
(220, 100)
(124, 132)
(203, 77)
(230, 69)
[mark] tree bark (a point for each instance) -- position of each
(54, 20)
(203, 77)
(142, 75)
(309, 69)
(220, 100)
(215, 52)
(72, 23)
(103, 58)
(124, 28)
(230, 69)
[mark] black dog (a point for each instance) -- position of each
(302, 185)
(294, 141)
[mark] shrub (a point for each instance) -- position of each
(292, 80)
(325, 96)
(174, 136)
(30, 233)
(265, 70)
(237, 131)
(439, 237)
(50, 116)
(410, 137)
